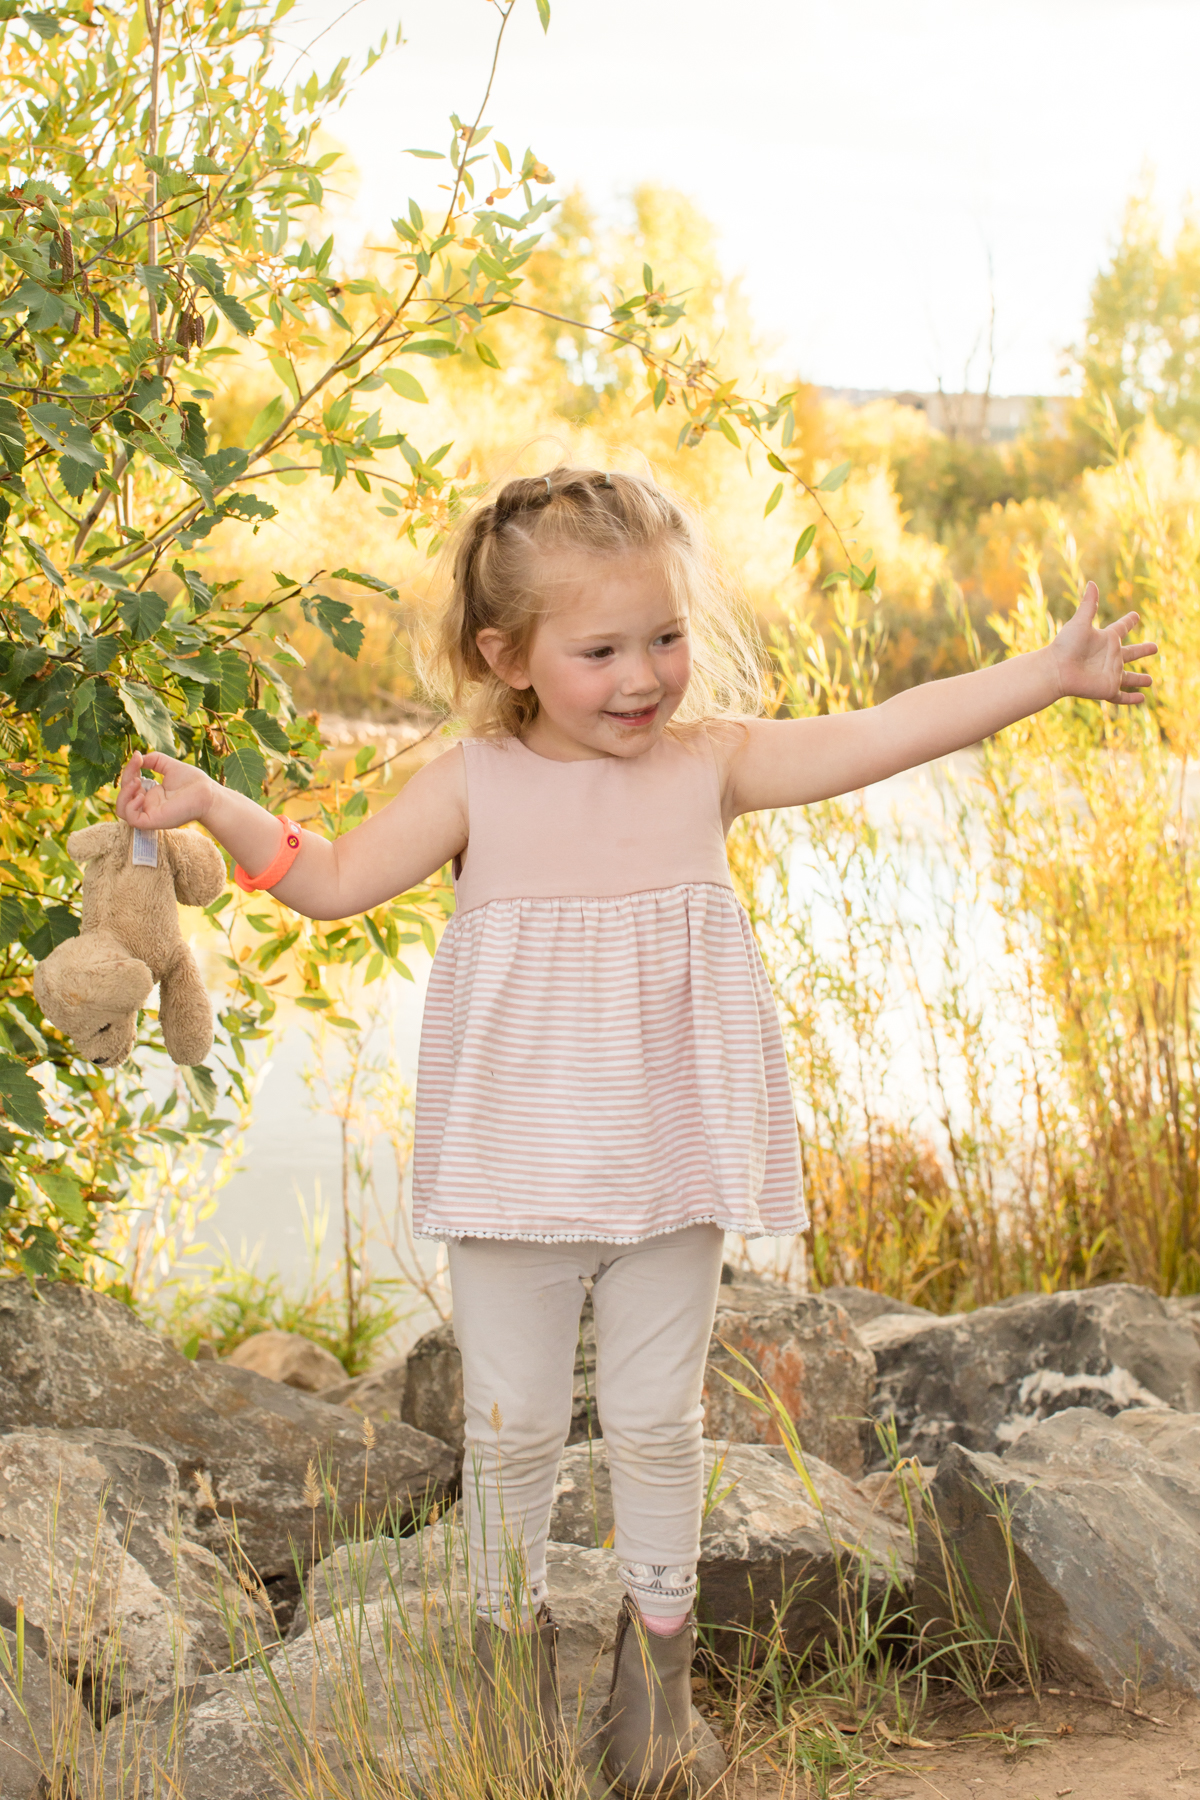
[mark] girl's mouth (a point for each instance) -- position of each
(642, 717)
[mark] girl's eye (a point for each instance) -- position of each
(598, 655)
(669, 637)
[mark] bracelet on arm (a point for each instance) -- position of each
(290, 837)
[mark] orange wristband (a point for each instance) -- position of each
(289, 848)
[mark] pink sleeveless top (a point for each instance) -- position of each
(600, 1055)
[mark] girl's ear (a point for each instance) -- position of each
(500, 658)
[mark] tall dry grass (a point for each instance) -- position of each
(989, 1008)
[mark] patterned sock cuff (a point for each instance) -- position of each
(512, 1616)
(662, 1590)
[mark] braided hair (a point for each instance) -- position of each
(502, 579)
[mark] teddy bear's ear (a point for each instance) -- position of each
(90, 974)
(92, 841)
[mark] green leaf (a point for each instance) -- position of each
(804, 544)
(265, 421)
(195, 433)
(543, 7)
(404, 384)
(434, 347)
(39, 1252)
(143, 613)
(65, 1194)
(43, 562)
(777, 462)
(233, 687)
(367, 581)
(773, 502)
(150, 717)
(50, 926)
(98, 653)
(242, 321)
(200, 1085)
(486, 354)
(269, 730)
(16, 917)
(12, 437)
(285, 372)
(20, 1096)
(835, 479)
(336, 620)
(430, 155)
(99, 723)
(244, 770)
(77, 477)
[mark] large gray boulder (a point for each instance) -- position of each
(982, 1379)
(378, 1395)
(71, 1358)
(863, 1304)
(286, 1356)
(770, 1533)
(806, 1349)
(46, 1735)
(90, 1540)
(1105, 1535)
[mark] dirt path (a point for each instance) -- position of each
(1025, 1751)
(1087, 1749)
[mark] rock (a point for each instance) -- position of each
(286, 1356)
(89, 1537)
(223, 1741)
(1105, 1526)
(416, 1590)
(1186, 1308)
(433, 1394)
(764, 1535)
(807, 1350)
(982, 1379)
(72, 1358)
(378, 1395)
(862, 1304)
(433, 1387)
(44, 1730)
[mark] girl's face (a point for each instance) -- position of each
(609, 663)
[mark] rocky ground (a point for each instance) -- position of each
(160, 1517)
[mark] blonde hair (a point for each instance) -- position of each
(496, 585)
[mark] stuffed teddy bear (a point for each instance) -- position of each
(92, 985)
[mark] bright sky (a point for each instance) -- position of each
(863, 160)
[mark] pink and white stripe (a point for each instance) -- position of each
(605, 1065)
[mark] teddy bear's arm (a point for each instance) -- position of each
(92, 841)
(197, 866)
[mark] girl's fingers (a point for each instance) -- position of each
(1131, 652)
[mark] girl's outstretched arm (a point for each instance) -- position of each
(790, 762)
(404, 843)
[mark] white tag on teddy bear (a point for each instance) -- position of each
(145, 843)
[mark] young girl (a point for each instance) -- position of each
(603, 1090)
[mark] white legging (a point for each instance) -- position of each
(516, 1318)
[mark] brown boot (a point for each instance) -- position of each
(520, 1713)
(647, 1722)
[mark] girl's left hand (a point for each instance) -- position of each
(1093, 663)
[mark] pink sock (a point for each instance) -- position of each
(664, 1627)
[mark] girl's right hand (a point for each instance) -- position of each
(182, 793)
